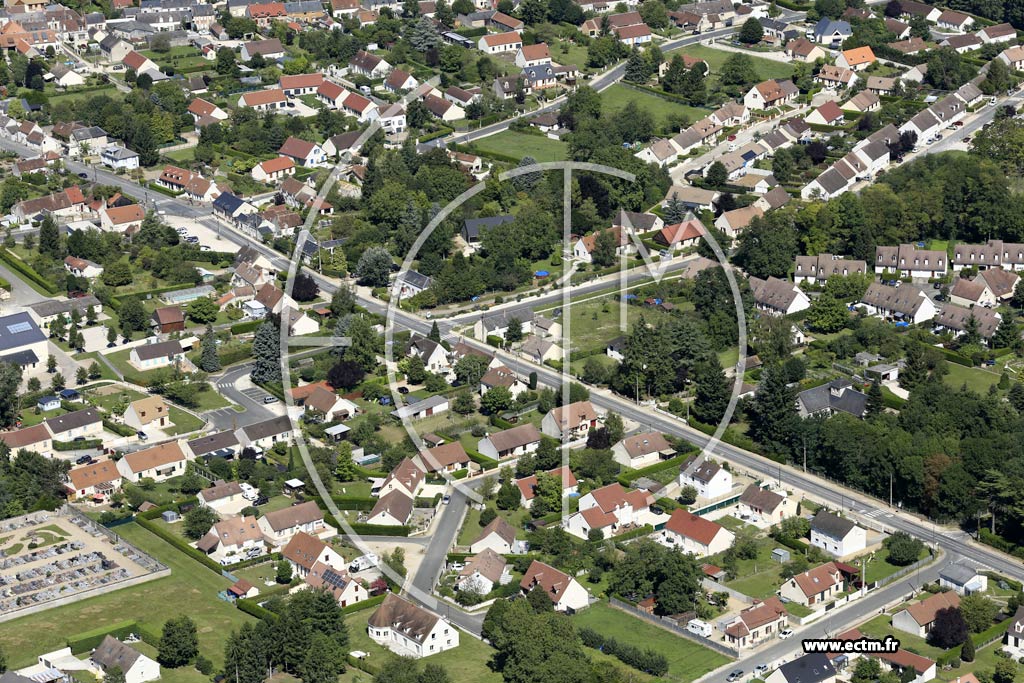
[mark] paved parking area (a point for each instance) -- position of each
(207, 236)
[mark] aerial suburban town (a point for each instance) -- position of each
(512, 341)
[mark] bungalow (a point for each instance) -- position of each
(570, 422)
(304, 551)
(343, 143)
(421, 409)
(158, 463)
(778, 297)
(410, 630)
(223, 496)
(919, 618)
(583, 248)
(528, 485)
(1013, 57)
(366, 64)
(391, 509)
(958, 319)
(565, 592)
(80, 267)
(264, 100)
(758, 623)
(270, 49)
(810, 668)
(360, 107)
(303, 152)
(273, 170)
(828, 399)
(86, 423)
(123, 219)
(497, 43)
(1000, 33)
(510, 443)
(329, 405)
(962, 43)
(707, 477)
(828, 114)
(501, 376)
(803, 50)
(498, 537)
(814, 586)
(641, 450)
(695, 535)
(633, 36)
(231, 537)
(35, 438)
(462, 97)
(266, 433)
(156, 355)
(954, 21)
(838, 536)
(862, 102)
(111, 654)
(300, 84)
(858, 58)
(95, 481)
(332, 94)
(150, 411)
(770, 94)
(683, 235)
(280, 526)
(443, 109)
(610, 509)
(449, 457)
(907, 303)
(483, 572)
(202, 109)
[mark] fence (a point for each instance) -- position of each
(715, 587)
(671, 625)
(902, 572)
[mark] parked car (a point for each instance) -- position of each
(142, 435)
(84, 460)
(735, 676)
(760, 670)
(269, 399)
(785, 633)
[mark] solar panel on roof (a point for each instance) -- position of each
(18, 328)
(334, 579)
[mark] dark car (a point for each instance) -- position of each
(937, 285)
(83, 175)
(78, 438)
(84, 460)
(403, 390)
(657, 510)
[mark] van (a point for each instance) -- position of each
(700, 628)
(365, 562)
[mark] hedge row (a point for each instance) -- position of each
(379, 530)
(28, 271)
(497, 421)
(481, 459)
(349, 502)
(85, 642)
(673, 462)
(119, 429)
(1012, 583)
(364, 604)
(252, 607)
(247, 326)
(999, 543)
(645, 530)
(792, 543)
(729, 436)
(179, 543)
(436, 134)
(76, 445)
(990, 634)
(648, 661)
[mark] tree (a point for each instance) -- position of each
(1006, 334)
(464, 403)
(94, 371)
(827, 314)
(198, 521)
(49, 238)
(738, 69)
(470, 369)
(203, 310)
(345, 374)
(114, 674)
(435, 333)
(752, 32)
(978, 612)
(133, 316)
(226, 64)
(716, 176)
(324, 660)
(1005, 671)
(947, 70)
(304, 288)
(903, 549)
(876, 401)
(81, 375)
(496, 400)
(266, 351)
(508, 493)
(209, 361)
(527, 181)
(283, 571)
(423, 35)
(179, 643)
(374, 267)
(514, 332)
(111, 335)
(949, 629)
(773, 413)
(57, 382)
(539, 600)
(638, 69)
(713, 391)
(605, 246)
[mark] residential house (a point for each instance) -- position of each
(858, 58)
(641, 450)
(483, 572)
(410, 630)
(962, 579)
(907, 303)
(688, 533)
(87, 423)
(111, 653)
(156, 355)
(969, 293)
(233, 537)
(433, 355)
(391, 509)
(266, 433)
(119, 158)
(710, 479)
(449, 457)
(907, 260)
(303, 152)
(778, 297)
(168, 319)
(958, 319)
(565, 592)
(1013, 57)
(835, 77)
(570, 422)
(818, 269)
(954, 21)
(501, 376)
(919, 618)
(1000, 33)
(95, 481)
(810, 668)
(683, 235)
(762, 506)
(770, 94)
(278, 527)
(831, 32)
(758, 623)
(223, 496)
(346, 589)
(863, 102)
(803, 50)
(304, 551)
(124, 219)
(201, 109)
(1013, 639)
(838, 536)
(528, 485)
(533, 55)
(814, 586)
(35, 438)
(828, 114)
(399, 81)
(407, 478)
(611, 510)
(270, 49)
(417, 410)
(634, 36)
(273, 170)
(498, 537)
(510, 443)
(370, 65)
(300, 84)
(828, 399)
(158, 463)
(80, 267)
(497, 43)
(264, 100)
(150, 411)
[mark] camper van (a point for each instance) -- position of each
(700, 628)
(364, 562)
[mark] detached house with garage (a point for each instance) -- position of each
(758, 623)
(571, 422)
(611, 510)
(815, 586)
(838, 536)
(919, 618)
(280, 526)
(641, 450)
(304, 551)
(565, 592)
(497, 43)
(111, 653)
(498, 536)
(688, 533)
(158, 463)
(763, 507)
(510, 443)
(770, 94)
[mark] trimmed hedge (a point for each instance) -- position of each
(645, 530)
(119, 429)
(990, 634)
(379, 529)
(179, 543)
(75, 445)
(349, 502)
(26, 270)
(251, 606)
(481, 459)
(674, 461)
(248, 326)
(792, 543)
(85, 642)
(364, 604)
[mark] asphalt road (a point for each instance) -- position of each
(252, 402)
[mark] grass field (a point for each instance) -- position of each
(976, 379)
(111, 92)
(879, 568)
(521, 144)
(766, 68)
(618, 96)
(184, 422)
(467, 662)
(595, 323)
(190, 589)
(687, 661)
(187, 154)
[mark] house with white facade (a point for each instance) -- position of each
(688, 533)
(709, 478)
(409, 630)
(566, 593)
(837, 536)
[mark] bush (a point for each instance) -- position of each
(84, 642)
(648, 661)
(204, 665)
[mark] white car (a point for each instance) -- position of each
(786, 633)
(760, 670)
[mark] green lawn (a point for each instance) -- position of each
(759, 577)
(976, 379)
(211, 400)
(596, 322)
(184, 422)
(105, 371)
(110, 92)
(108, 401)
(879, 568)
(687, 661)
(522, 144)
(766, 68)
(186, 154)
(471, 527)
(467, 662)
(190, 589)
(618, 96)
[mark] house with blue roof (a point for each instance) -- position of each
(831, 32)
(22, 342)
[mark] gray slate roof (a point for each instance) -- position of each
(831, 525)
(18, 330)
